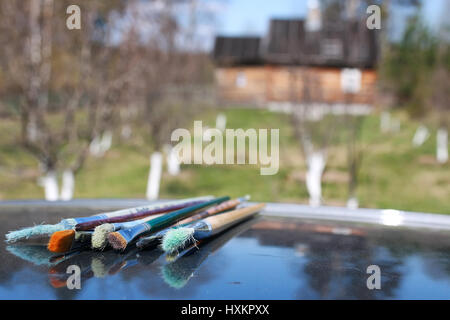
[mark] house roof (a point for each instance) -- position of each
(342, 44)
(237, 50)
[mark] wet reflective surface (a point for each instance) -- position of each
(263, 258)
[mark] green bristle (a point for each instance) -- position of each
(25, 233)
(177, 239)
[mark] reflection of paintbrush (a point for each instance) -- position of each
(150, 256)
(66, 224)
(177, 239)
(58, 274)
(37, 255)
(109, 263)
(178, 273)
(120, 239)
(154, 239)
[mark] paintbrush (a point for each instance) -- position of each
(154, 239)
(62, 241)
(88, 225)
(67, 240)
(120, 239)
(178, 238)
(183, 266)
(66, 224)
(99, 237)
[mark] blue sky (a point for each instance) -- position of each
(252, 17)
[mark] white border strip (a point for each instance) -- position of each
(386, 217)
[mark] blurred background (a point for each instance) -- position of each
(363, 108)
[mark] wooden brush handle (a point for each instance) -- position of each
(224, 220)
(230, 204)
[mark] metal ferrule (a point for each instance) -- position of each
(152, 239)
(202, 230)
(89, 219)
(131, 233)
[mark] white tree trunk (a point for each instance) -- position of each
(352, 203)
(316, 164)
(68, 185)
(420, 136)
(106, 141)
(94, 147)
(50, 183)
(385, 121)
(221, 122)
(173, 164)
(442, 145)
(101, 144)
(154, 178)
(32, 130)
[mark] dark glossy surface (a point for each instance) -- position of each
(264, 258)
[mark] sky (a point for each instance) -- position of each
(251, 17)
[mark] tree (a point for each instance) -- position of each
(64, 81)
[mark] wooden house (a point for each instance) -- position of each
(294, 64)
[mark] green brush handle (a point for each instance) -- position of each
(164, 221)
(175, 216)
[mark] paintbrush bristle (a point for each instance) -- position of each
(99, 237)
(61, 241)
(25, 233)
(177, 239)
(117, 241)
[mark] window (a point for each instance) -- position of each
(241, 80)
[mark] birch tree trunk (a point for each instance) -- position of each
(316, 165)
(442, 145)
(221, 122)
(173, 163)
(154, 178)
(420, 136)
(50, 183)
(68, 185)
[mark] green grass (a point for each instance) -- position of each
(393, 173)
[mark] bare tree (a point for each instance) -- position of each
(62, 82)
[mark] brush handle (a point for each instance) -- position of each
(175, 216)
(71, 222)
(134, 214)
(130, 224)
(166, 220)
(223, 221)
(227, 205)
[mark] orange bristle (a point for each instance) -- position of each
(117, 241)
(61, 241)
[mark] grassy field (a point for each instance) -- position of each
(393, 173)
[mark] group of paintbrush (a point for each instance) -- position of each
(68, 224)
(62, 241)
(173, 224)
